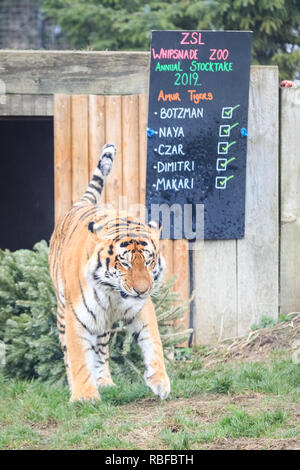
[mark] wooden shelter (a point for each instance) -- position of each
(85, 99)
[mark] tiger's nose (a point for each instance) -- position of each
(142, 286)
(141, 291)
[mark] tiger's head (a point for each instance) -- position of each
(126, 257)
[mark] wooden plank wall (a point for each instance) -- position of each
(74, 72)
(290, 201)
(236, 282)
(26, 105)
(82, 124)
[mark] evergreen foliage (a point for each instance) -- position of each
(275, 25)
(127, 24)
(28, 315)
(28, 320)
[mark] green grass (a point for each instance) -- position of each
(280, 377)
(38, 416)
(237, 424)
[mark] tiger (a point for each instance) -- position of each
(104, 264)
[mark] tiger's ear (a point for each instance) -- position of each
(94, 228)
(156, 227)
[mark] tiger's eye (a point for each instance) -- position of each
(124, 263)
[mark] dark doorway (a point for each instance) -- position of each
(26, 181)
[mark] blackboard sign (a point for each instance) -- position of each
(197, 128)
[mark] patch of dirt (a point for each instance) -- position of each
(259, 344)
(45, 429)
(254, 444)
(149, 417)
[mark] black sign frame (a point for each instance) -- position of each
(197, 127)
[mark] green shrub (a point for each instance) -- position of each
(265, 322)
(28, 320)
(28, 315)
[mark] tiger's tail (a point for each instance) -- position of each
(95, 186)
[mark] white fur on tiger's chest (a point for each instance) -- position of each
(102, 306)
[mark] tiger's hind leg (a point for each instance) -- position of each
(102, 371)
(62, 337)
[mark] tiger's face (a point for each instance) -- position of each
(139, 265)
(131, 265)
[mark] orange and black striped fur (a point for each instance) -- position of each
(104, 265)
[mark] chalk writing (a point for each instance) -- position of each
(187, 79)
(181, 113)
(211, 66)
(174, 184)
(168, 67)
(172, 167)
(168, 96)
(170, 149)
(220, 54)
(196, 97)
(191, 38)
(175, 54)
(171, 132)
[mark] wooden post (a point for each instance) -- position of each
(181, 268)
(215, 291)
(96, 133)
(166, 247)
(130, 147)
(77, 72)
(143, 118)
(80, 149)
(113, 134)
(257, 253)
(290, 201)
(62, 155)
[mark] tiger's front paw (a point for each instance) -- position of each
(85, 394)
(159, 384)
(106, 382)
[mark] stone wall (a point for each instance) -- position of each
(23, 26)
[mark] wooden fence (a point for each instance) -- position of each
(290, 201)
(236, 282)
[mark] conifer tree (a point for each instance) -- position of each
(127, 24)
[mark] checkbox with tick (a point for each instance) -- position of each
(222, 148)
(221, 164)
(221, 181)
(227, 113)
(224, 131)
